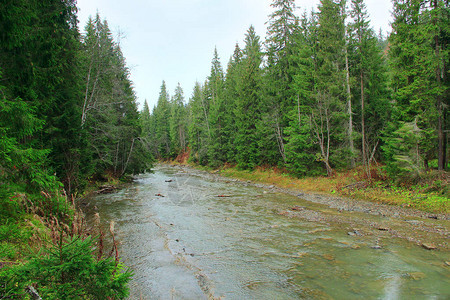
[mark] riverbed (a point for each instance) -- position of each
(187, 234)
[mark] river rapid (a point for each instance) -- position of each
(187, 234)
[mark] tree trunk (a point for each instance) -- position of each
(363, 129)
(350, 113)
(441, 152)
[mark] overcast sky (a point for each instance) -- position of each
(174, 40)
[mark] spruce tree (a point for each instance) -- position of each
(419, 55)
(327, 112)
(177, 122)
(369, 74)
(248, 103)
(231, 95)
(280, 45)
(215, 86)
(162, 126)
(301, 147)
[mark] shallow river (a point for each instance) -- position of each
(192, 244)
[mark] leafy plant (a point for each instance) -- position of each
(67, 271)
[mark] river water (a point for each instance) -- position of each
(182, 241)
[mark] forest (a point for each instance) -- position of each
(322, 92)
(68, 118)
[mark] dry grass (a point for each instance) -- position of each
(354, 184)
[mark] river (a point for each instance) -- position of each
(188, 235)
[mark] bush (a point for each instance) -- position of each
(68, 271)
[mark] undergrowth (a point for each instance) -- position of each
(429, 193)
(45, 246)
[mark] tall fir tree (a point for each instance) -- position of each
(248, 103)
(280, 45)
(419, 56)
(215, 86)
(162, 126)
(370, 82)
(177, 123)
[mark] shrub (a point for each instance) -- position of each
(68, 271)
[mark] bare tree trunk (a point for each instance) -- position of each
(279, 135)
(441, 152)
(206, 116)
(319, 132)
(299, 113)
(363, 129)
(128, 158)
(350, 113)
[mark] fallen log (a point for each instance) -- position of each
(359, 185)
(105, 189)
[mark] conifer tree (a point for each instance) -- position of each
(371, 83)
(326, 113)
(248, 103)
(231, 95)
(301, 144)
(162, 126)
(280, 45)
(35, 66)
(419, 56)
(199, 130)
(215, 86)
(177, 122)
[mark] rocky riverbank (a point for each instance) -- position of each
(428, 230)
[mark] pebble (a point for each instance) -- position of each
(354, 232)
(413, 222)
(429, 246)
(328, 257)
(416, 275)
(297, 208)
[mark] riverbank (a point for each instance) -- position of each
(431, 196)
(426, 229)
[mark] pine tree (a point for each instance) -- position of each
(301, 147)
(199, 130)
(248, 103)
(419, 55)
(231, 95)
(371, 83)
(280, 45)
(35, 66)
(215, 86)
(162, 126)
(177, 122)
(327, 111)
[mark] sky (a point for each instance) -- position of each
(174, 40)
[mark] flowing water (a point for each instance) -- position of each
(192, 244)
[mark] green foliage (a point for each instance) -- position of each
(110, 119)
(403, 152)
(67, 271)
(419, 54)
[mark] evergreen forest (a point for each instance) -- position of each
(322, 92)
(68, 118)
